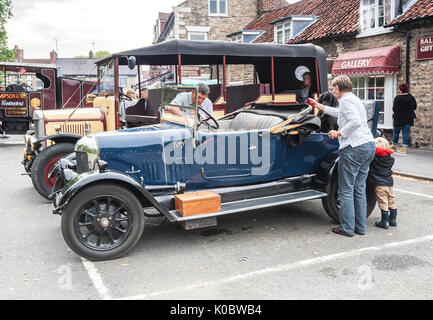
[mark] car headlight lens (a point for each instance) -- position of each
(87, 151)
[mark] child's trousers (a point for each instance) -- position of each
(385, 198)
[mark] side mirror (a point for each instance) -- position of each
(132, 62)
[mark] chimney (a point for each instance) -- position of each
(270, 5)
(53, 57)
(91, 54)
(19, 54)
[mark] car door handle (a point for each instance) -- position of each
(133, 171)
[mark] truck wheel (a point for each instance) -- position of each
(103, 222)
(332, 205)
(43, 164)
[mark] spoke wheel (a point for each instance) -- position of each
(103, 224)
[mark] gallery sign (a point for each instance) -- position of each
(424, 48)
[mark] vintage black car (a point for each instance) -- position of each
(265, 153)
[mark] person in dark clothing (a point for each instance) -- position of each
(306, 90)
(381, 177)
(328, 123)
(404, 113)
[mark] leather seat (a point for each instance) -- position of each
(252, 121)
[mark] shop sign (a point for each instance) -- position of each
(15, 104)
(424, 48)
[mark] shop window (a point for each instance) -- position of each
(123, 82)
(29, 80)
(218, 7)
(371, 88)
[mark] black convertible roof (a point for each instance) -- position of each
(211, 52)
(286, 58)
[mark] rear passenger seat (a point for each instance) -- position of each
(252, 121)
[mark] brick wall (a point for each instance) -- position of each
(421, 73)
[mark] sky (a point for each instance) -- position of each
(113, 25)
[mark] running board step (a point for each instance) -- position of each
(256, 203)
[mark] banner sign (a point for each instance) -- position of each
(424, 48)
(15, 104)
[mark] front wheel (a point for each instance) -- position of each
(332, 205)
(44, 162)
(103, 222)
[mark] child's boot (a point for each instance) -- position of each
(384, 222)
(393, 217)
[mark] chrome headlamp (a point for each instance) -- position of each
(87, 152)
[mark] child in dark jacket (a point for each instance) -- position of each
(381, 177)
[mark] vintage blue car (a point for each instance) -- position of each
(266, 153)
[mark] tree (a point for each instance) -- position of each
(5, 14)
(98, 55)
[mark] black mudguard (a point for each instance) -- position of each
(87, 179)
(325, 172)
(58, 138)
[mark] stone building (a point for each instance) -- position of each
(203, 20)
(377, 43)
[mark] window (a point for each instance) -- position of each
(237, 38)
(123, 82)
(371, 88)
(375, 14)
(218, 7)
(197, 36)
(29, 80)
(291, 27)
(283, 32)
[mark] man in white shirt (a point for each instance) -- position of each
(356, 152)
(188, 99)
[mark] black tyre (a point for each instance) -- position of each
(43, 164)
(331, 203)
(103, 222)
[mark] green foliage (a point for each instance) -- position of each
(98, 55)
(5, 14)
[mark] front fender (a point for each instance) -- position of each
(82, 181)
(57, 138)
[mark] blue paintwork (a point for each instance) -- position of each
(142, 148)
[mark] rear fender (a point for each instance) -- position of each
(326, 170)
(88, 179)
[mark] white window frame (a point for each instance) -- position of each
(290, 21)
(238, 38)
(218, 13)
(197, 34)
(283, 29)
(390, 91)
(376, 30)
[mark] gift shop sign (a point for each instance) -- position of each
(15, 104)
(424, 48)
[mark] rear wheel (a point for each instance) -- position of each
(44, 162)
(103, 222)
(332, 205)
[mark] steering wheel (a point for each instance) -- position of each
(123, 96)
(216, 126)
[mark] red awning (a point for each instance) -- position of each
(371, 61)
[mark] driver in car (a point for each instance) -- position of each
(187, 98)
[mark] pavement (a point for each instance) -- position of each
(417, 163)
(288, 252)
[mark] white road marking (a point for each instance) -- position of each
(287, 267)
(96, 278)
(414, 193)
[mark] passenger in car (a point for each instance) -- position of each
(125, 104)
(306, 90)
(187, 98)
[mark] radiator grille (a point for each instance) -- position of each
(82, 162)
(75, 128)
